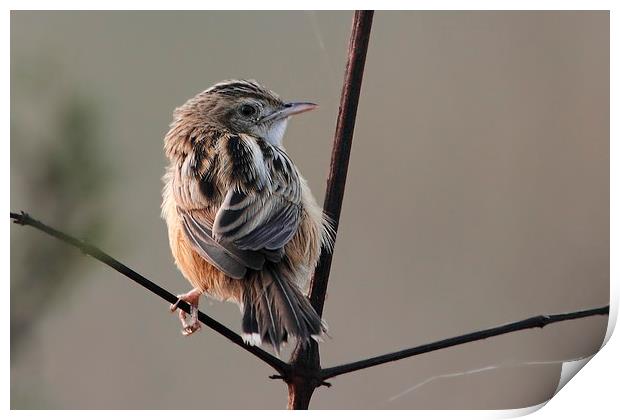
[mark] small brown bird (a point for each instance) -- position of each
(242, 222)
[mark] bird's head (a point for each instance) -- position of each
(243, 107)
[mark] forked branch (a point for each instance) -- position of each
(285, 370)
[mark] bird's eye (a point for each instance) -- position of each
(247, 110)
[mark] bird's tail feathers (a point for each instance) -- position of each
(274, 309)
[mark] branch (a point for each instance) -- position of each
(307, 358)
(25, 220)
(534, 322)
(358, 45)
(284, 368)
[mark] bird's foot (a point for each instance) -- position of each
(193, 298)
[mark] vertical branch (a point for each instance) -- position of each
(305, 361)
(358, 45)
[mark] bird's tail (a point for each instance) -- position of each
(274, 309)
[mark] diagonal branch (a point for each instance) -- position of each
(534, 322)
(358, 45)
(25, 220)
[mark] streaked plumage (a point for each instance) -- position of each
(242, 222)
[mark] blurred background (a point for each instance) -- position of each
(478, 194)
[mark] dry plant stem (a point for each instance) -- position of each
(304, 377)
(337, 178)
(25, 219)
(307, 358)
(533, 322)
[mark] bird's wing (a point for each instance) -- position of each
(250, 225)
(258, 221)
(229, 259)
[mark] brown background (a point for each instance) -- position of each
(478, 194)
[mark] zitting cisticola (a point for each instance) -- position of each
(242, 222)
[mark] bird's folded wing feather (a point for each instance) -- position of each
(226, 257)
(254, 221)
(249, 227)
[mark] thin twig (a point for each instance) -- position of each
(24, 219)
(534, 322)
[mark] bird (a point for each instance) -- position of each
(243, 225)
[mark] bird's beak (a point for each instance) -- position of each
(290, 108)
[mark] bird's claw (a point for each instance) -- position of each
(193, 325)
(193, 297)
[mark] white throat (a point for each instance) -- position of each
(275, 133)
